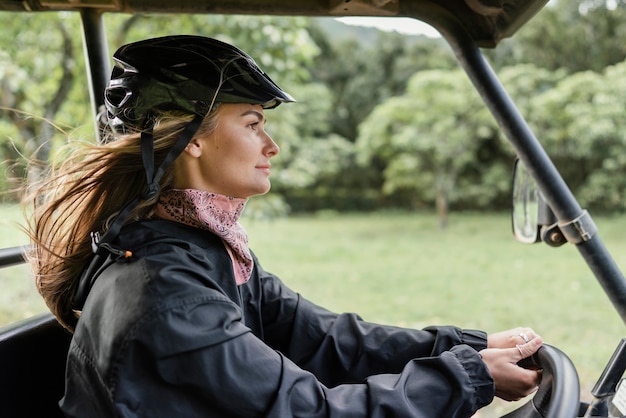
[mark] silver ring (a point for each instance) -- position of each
(524, 337)
(519, 348)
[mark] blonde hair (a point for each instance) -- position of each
(83, 195)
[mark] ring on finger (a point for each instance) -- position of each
(519, 348)
(524, 337)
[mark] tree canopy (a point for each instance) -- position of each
(383, 120)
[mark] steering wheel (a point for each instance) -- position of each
(558, 395)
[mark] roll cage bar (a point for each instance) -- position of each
(467, 26)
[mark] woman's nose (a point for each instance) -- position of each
(272, 149)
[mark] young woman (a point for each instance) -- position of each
(140, 254)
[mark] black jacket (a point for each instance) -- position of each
(168, 333)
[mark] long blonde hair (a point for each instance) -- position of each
(83, 195)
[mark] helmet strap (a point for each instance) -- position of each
(183, 139)
(102, 245)
(147, 157)
(152, 178)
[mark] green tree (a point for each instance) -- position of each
(431, 143)
(39, 71)
(565, 116)
(582, 125)
(315, 166)
(606, 186)
(280, 45)
(43, 82)
(362, 75)
(577, 35)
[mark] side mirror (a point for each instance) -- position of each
(530, 212)
(525, 209)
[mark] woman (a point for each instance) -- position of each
(140, 254)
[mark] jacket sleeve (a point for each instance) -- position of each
(344, 348)
(207, 363)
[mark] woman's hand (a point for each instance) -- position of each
(504, 350)
(511, 338)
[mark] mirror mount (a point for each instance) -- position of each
(552, 235)
(533, 219)
(580, 229)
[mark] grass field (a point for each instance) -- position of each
(402, 269)
(18, 296)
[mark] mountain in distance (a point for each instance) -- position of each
(364, 34)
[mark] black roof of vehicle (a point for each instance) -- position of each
(486, 21)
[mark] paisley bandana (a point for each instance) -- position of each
(213, 212)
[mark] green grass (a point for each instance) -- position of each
(402, 269)
(18, 296)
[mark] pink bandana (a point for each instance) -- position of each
(213, 212)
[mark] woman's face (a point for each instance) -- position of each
(234, 159)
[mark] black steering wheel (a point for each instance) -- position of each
(558, 395)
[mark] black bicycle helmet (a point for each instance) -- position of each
(183, 72)
(186, 73)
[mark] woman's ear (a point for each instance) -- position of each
(194, 148)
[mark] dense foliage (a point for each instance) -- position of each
(382, 121)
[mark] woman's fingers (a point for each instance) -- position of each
(529, 348)
(511, 338)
